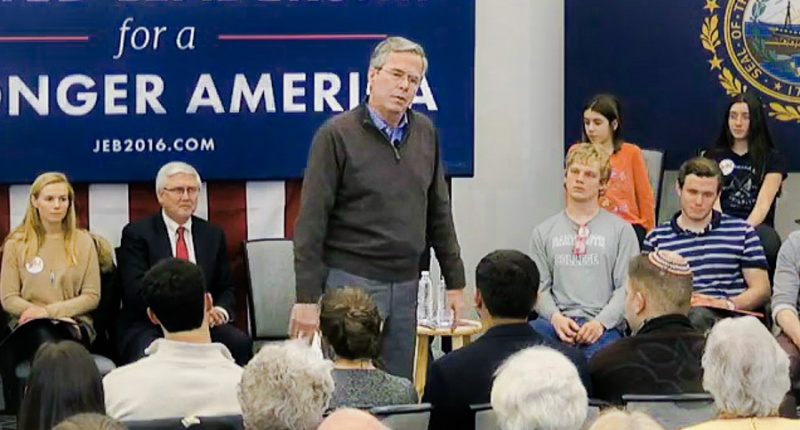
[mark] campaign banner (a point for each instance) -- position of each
(676, 65)
(109, 90)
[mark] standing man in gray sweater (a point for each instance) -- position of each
(374, 194)
(583, 254)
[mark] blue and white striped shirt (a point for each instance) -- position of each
(716, 256)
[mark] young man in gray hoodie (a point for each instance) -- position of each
(583, 254)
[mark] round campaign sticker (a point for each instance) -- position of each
(35, 266)
(726, 166)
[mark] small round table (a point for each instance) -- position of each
(462, 335)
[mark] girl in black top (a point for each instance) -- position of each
(752, 168)
(751, 165)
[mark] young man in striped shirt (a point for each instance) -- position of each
(725, 254)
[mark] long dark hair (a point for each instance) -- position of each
(759, 139)
(64, 381)
(608, 106)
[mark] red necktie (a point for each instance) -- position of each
(181, 251)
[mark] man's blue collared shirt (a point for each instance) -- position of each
(394, 134)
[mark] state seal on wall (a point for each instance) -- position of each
(756, 44)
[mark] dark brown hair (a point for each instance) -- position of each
(64, 381)
(350, 322)
(702, 167)
(608, 106)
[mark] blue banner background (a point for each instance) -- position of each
(649, 54)
(248, 145)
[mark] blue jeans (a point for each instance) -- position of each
(544, 328)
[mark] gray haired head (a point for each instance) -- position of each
(396, 44)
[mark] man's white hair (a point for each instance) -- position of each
(396, 44)
(539, 388)
(173, 168)
(744, 368)
(616, 419)
(286, 386)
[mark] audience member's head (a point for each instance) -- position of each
(588, 172)
(602, 120)
(507, 284)
(659, 283)
(350, 322)
(616, 419)
(51, 201)
(539, 388)
(699, 184)
(178, 190)
(744, 118)
(64, 381)
(286, 386)
(351, 419)
(175, 294)
(745, 369)
(89, 421)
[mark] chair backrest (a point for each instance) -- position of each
(271, 283)
(591, 415)
(673, 411)
(655, 168)
(404, 417)
(226, 422)
(485, 418)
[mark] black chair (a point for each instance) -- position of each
(673, 411)
(226, 422)
(404, 417)
(106, 314)
(485, 418)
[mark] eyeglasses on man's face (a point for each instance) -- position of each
(180, 191)
(399, 76)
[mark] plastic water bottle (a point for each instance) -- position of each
(424, 299)
(444, 318)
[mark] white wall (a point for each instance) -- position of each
(519, 142)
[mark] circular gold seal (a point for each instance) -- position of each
(760, 39)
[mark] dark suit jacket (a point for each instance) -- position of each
(145, 243)
(663, 358)
(464, 377)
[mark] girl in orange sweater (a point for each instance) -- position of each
(628, 193)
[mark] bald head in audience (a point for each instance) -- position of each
(351, 419)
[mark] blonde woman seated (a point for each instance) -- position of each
(49, 271)
(748, 375)
(351, 324)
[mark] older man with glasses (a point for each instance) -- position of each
(176, 232)
(583, 254)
